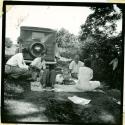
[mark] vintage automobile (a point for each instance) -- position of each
(35, 40)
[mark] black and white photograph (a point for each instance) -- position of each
(62, 63)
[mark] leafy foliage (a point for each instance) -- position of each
(66, 39)
(99, 35)
(101, 23)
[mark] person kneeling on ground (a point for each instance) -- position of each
(16, 67)
(37, 66)
(45, 75)
(74, 66)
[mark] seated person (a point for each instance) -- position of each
(37, 66)
(16, 67)
(46, 76)
(74, 66)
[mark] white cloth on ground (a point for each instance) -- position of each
(84, 77)
(83, 84)
(79, 100)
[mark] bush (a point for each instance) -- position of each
(68, 52)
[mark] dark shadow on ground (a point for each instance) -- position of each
(59, 108)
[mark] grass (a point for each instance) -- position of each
(54, 106)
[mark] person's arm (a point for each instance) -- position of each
(36, 64)
(115, 64)
(44, 64)
(24, 63)
(21, 62)
(111, 62)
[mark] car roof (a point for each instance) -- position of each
(37, 29)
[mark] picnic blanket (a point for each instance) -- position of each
(36, 86)
(66, 88)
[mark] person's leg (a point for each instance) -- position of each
(52, 77)
(20, 77)
(7, 69)
(45, 78)
(34, 72)
(113, 80)
(40, 75)
(34, 75)
(17, 72)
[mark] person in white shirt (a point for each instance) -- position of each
(45, 75)
(16, 66)
(74, 66)
(37, 66)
